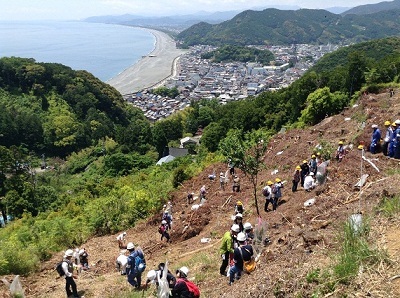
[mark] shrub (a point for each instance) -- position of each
(179, 176)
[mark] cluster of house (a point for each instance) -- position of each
(199, 78)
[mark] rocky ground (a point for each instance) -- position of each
(302, 238)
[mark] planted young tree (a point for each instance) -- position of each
(246, 151)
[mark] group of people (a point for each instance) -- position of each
(236, 246)
(178, 286)
(166, 222)
(132, 263)
(391, 141)
(272, 192)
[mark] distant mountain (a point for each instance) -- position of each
(337, 10)
(373, 8)
(273, 26)
(174, 21)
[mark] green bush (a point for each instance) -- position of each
(179, 176)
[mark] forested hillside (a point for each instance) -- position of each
(273, 27)
(101, 152)
(372, 8)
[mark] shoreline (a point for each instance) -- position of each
(150, 70)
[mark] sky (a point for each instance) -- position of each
(80, 9)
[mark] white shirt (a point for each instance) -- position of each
(269, 191)
(64, 266)
(121, 237)
(122, 260)
(309, 182)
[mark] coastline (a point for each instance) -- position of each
(150, 70)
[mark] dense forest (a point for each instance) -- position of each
(311, 26)
(99, 153)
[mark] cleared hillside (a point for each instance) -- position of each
(303, 238)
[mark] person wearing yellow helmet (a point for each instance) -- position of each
(276, 193)
(392, 141)
(305, 169)
(396, 140)
(340, 151)
(388, 137)
(296, 178)
(239, 207)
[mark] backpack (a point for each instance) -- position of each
(265, 192)
(140, 263)
(59, 269)
(193, 289)
(274, 189)
(161, 229)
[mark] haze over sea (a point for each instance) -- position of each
(105, 50)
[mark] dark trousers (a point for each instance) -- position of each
(267, 201)
(135, 279)
(302, 176)
(70, 287)
(385, 148)
(224, 264)
(294, 186)
(274, 203)
(166, 235)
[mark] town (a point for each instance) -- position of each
(197, 78)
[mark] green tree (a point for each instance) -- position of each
(212, 135)
(247, 153)
(322, 103)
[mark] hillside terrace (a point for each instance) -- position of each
(198, 78)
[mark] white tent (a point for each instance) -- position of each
(167, 158)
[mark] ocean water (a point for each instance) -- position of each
(105, 50)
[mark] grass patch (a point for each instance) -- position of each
(389, 207)
(354, 253)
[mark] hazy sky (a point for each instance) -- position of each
(79, 9)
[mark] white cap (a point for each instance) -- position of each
(130, 246)
(241, 237)
(151, 275)
(164, 222)
(235, 228)
(124, 233)
(239, 215)
(374, 126)
(221, 174)
(69, 253)
(247, 226)
(397, 122)
(184, 270)
(311, 174)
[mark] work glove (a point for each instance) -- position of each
(223, 257)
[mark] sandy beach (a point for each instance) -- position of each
(149, 70)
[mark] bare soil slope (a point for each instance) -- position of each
(303, 238)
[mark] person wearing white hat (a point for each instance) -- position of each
(183, 287)
(163, 230)
(226, 248)
(121, 240)
(239, 221)
(68, 268)
(248, 231)
(242, 253)
(375, 139)
(309, 182)
(222, 181)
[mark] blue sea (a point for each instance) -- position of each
(105, 50)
